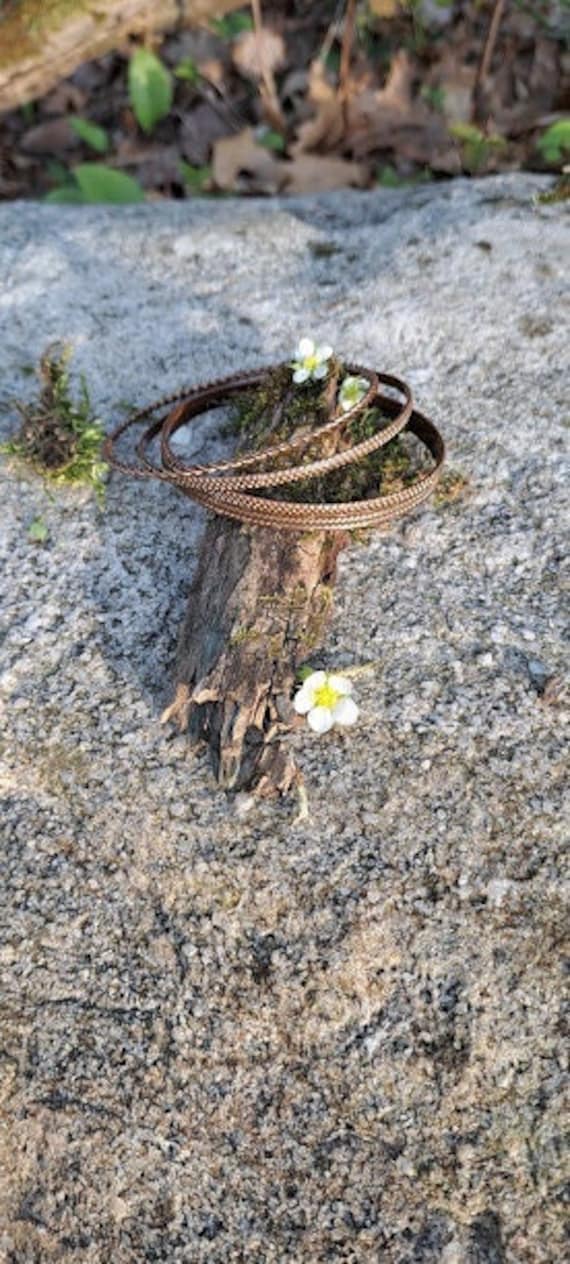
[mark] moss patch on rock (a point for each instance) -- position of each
(59, 437)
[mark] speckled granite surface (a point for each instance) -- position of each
(225, 1039)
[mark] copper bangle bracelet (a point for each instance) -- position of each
(222, 487)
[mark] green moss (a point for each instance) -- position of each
(59, 438)
(277, 409)
(318, 619)
(272, 412)
(243, 634)
(452, 486)
(386, 470)
(560, 192)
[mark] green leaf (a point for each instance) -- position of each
(332, 61)
(93, 135)
(434, 96)
(150, 88)
(38, 531)
(28, 112)
(197, 178)
(270, 139)
(388, 177)
(555, 141)
(67, 195)
(188, 70)
(101, 184)
(57, 172)
(233, 24)
(476, 146)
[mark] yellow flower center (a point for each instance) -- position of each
(326, 696)
(310, 362)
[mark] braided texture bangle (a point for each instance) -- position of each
(229, 487)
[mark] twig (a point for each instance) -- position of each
(490, 43)
(331, 33)
(269, 89)
(346, 49)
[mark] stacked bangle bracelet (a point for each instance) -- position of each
(232, 487)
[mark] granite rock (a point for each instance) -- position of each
(225, 1037)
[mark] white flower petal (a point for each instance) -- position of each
(323, 353)
(340, 684)
(320, 719)
(346, 405)
(314, 680)
(303, 701)
(345, 712)
(305, 347)
(301, 375)
(320, 372)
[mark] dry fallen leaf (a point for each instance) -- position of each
(384, 8)
(201, 127)
(256, 53)
(392, 120)
(324, 131)
(328, 127)
(545, 73)
(320, 86)
(456, 81)
(53, 137)
(311, 173)
(213, 70)
(397, 90)
(239, 164)
(417, 135)
(67, 96)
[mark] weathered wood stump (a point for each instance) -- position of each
(259, 606)
(307, 471)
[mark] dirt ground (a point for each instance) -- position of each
(321, 95)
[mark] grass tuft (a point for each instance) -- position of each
(60, 438)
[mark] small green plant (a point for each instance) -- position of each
(554, 144)
(58, 437)
(452, 486)
(476, 147)
(197, 179)
(38, 531)
(232, 25)
(270, 140)
(388, 178)
(150, 88)
(28, 112)
(559, 193)
(93, 135)
(187, 70)
(93, 182)
(433, 96)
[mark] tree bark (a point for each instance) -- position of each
(259, 607)
(42, 41)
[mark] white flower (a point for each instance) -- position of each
(325, 700)
(310, 361)
(351, 391)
